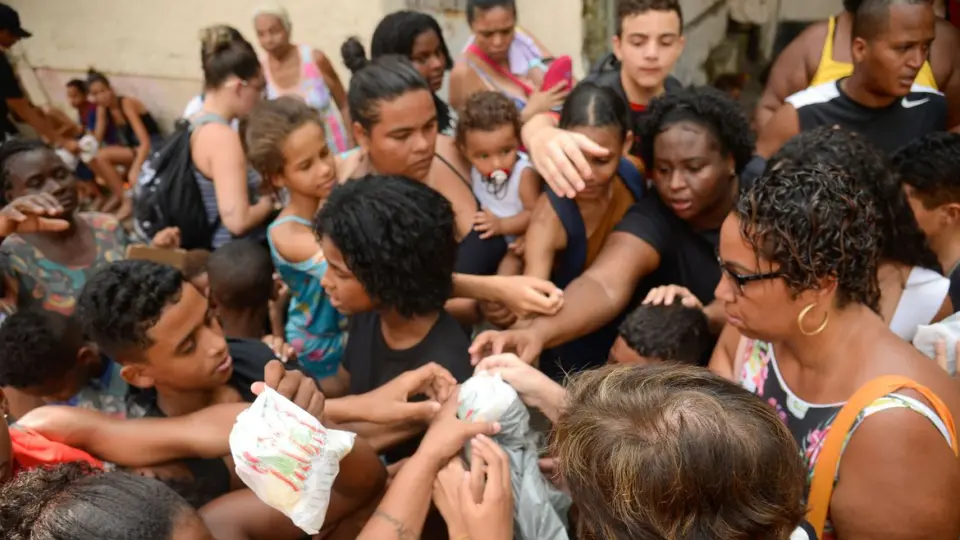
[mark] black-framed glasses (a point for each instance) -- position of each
(743, 279)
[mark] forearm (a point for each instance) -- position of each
(535, 125)
(362, 475)
(551, 402)
(516, 225)
(384, 436)
(404, 508)
(465, 310)
(240, 221)
(587, 307)
(475, 287)
(39, 122)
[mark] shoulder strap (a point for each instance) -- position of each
(288, 219)
(478, 52)
(632, 178)
(208, 118)
(821, 487)
(572, 260)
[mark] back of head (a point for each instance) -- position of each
(487, 111)
(397, 32)
(872, 17)
(673, 333)
(241, 276)
(901, 239)
(124, 300)
(485, 5)
(224, 53)
(398, 238)
(704, 106)
(38, 347)
(931, 166)
(384, 79)
(626, 430)
(73, 501)
(592, 105)
(269, 125)
(818, 225)
(632, 8)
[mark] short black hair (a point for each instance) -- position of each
(484, 5)
(872, 17)
(631, 8)
(384, 79)
(398, 237)
(705, 106)
(592, 105)
(901, 239)
(38, 347)
(241, 275)
(8, 151)
(124, 300)
(75, 501)
(79, 84)
(673, 333)
(931, 166)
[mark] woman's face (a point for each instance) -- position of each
(101, 94)
(493, 31)
(690, 172)
(347, 294)
(271, 33)
(428, 57)
(42, 171)
(604, 168)
(755, 301)
(76, 98)
(403, 140)
(308, 167)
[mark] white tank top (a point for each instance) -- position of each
(921, 300)
(507, 203)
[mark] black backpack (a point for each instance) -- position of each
(167, 194)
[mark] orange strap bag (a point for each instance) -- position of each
(821, 487)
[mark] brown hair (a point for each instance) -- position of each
(674, 452)
(269, 125)
(630, 8)
(487, 111)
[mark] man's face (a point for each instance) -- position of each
(648, 46)
(892, 59)
(188, 350)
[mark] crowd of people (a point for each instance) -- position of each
(710, 313)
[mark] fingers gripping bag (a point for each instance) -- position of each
(540, 510)
(288, 458)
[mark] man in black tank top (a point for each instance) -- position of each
(390, 244)
(881, 101)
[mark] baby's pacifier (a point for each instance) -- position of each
(500, 176)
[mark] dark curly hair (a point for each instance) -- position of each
(38, 347)
(704, 106)
(901, 239)
(124, 300)
(815, 222)
(487, 111)
(931, 166)
(8, 151)
(398, 238)
(673, 333)
(74, 501)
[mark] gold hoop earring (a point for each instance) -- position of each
(803, 315)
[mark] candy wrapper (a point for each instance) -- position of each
(288, 458)
(484, 398)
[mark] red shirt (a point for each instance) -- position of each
(32, 450)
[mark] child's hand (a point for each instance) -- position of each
(487, 224)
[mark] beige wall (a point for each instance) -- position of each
(150, 49)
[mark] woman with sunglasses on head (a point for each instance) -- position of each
(696, 142)
(801, 297)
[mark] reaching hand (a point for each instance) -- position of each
(533, 386)
(525, 342)
(168, 238)
(446, 497)
(32, 213)
(543, 101)
(526, 296)
(284, 351)
(486, 504)
(559, 157)
(391, 402)
(497, 314)
(665, 295)
(487, 224)
(447, 434)
(294, 385)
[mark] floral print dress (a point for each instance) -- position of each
(809, 422)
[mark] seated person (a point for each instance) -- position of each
(46, 356)
(391, 244)
(666, 333)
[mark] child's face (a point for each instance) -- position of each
(308, 163)
(347, 294)
(621, 353)
(187, 348)
(491, 151)
(604, 168)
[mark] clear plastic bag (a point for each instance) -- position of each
(288, 458)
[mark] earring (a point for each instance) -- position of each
(803, 314)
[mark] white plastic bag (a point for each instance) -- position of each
(947, 330)
(288, 458)
(484, 398)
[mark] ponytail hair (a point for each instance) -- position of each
(354, 55)
(224, 53)
(94, 76)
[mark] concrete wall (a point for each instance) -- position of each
(150, 49)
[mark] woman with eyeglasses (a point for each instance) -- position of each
(233, 84)
(696, 142)
(800, 291)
